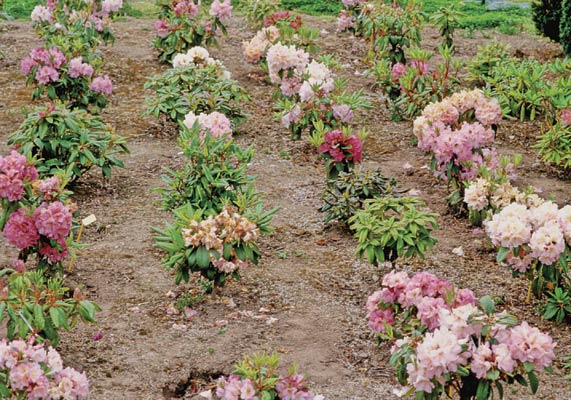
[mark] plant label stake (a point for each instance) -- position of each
(84, 222)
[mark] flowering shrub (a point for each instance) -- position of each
(409, 88)
(534, 241)
(257, 377)
(342, 150)
(34, 305)
(184, 24)
(89, 21)
(446, 345)
(554, 144)
(209, 179)
(255, 50)
(36, 217)
(70, 81)
(311, 97)
(346, 193)
(35, 371)
(391, 29)
(391, 227)
(197, 84)
(68, 140)
(214, 244)
(458, 133)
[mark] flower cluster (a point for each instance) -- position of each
(33, 219)
(213, 233)
(349, 16)
(441, 336)
(285, 62)
(62, 79)
(342, 151)
(537, 234)
(255, 50)
(216, 124)
(457, 130)
(15, 172)
(35, 372)
(257, 378)
(199, 58)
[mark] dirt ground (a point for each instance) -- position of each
(306, 299)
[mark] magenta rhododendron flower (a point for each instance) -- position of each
(398, 70)
(20, 230)
(342, 148)
(102, 84)
(53, 254)
(53, 220)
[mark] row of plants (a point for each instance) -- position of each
(57, 143)
(457, 129)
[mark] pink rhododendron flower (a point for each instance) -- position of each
(398, 70)
(187, 8)
(41, 14)
(20, 230)
(378, 319)
(162, 28)
(528, 344)
(46, 74)
(343, 113)
(345, 21)
(342, 148)
(53, 220)
(77, 68)
(102, 84)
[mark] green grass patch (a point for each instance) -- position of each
(314, 7)
(20, 9)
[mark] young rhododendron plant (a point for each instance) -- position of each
(257, 11)
(349, 19)
(197, 83)
(36, 215)
(341, 149)
(71, 81)
(391, 227)
(68, 140)
(214, 170)
(554, 144)
(458, 133)
(410, 87)
(535, 241)
(36, 306)
(184, 24)
(447, 345)
(391, 29)
(215, 245)
(347, 192)
(36, 371)
(257, 377)
(88, 21)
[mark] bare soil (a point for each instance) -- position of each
(306, 299)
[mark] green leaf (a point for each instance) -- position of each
(488, 305)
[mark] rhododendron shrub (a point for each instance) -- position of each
(341, 149)
(184, 24)
(458, 133)
(36, 306)
(197, 83)
(534, 241)
(88, 21)
(446, 345)
(554, 144)
(347, 192)
(258, 377)
(391, 227)
(68, 140)
(214, 244)
(257, 11)
(36, 215)
(36, 371)
(208, 179)
(409, 88)
(349, 19)
(391, 28)
(310, 96)
(70, 80)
